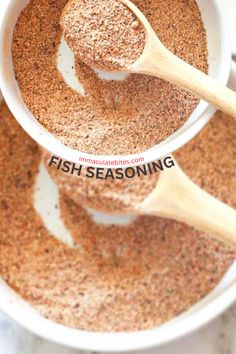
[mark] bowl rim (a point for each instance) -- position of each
(12, 305)
(55, 147)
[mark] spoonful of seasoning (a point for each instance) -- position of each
(116, 36)
(104, 34)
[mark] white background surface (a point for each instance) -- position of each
(217, 338)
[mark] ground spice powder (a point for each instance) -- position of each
(121, 278)
(115, 117)
(104, 34)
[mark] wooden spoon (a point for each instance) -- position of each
(177, 197)
(157, 60)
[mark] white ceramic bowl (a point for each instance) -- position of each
(219, 63)
(200, 314)
(45, 197)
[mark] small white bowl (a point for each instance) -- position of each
(219, 63)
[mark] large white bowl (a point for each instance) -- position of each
(200, 314)
(219, 63)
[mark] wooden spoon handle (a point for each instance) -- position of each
(162, 63)
(177, 197)
(157, 60)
